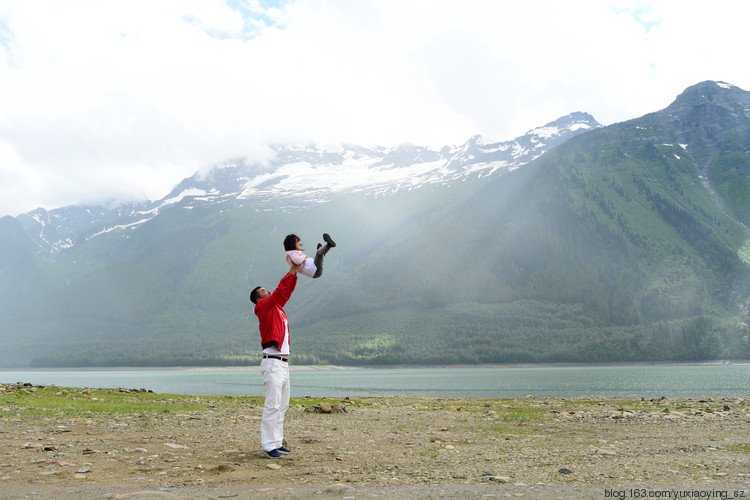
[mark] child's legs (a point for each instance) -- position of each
(322, 251)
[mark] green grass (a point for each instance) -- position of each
(80, 402)
(521, 415)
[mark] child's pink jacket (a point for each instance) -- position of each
(297, 257)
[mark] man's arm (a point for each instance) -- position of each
(283, 292)
(293, 268)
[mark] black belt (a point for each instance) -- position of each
(271, 356)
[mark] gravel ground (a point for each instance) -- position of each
(411, 447)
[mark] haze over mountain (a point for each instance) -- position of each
(574, 242)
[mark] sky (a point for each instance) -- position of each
(105, 102)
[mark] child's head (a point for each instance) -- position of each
(290, 242)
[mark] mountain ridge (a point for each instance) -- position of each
(609, 246)
(307, 174)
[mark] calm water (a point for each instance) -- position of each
(486, 381)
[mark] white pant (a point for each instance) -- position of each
(276, 380)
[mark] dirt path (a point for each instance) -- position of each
(413, 447)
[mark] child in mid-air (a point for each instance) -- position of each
(310, 267)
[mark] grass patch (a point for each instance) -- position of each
(78, 402)
(72, 402)
(522, 415)
(581, 403)
(310, 401)
(17, 400)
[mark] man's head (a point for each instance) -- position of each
(258, 293)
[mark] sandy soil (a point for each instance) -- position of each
(412, 447)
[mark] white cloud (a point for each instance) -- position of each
(118, 99)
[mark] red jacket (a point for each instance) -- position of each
(271, 316)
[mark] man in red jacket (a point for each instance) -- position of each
(274, 338)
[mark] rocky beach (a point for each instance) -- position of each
(126, 443)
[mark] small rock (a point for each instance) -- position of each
(83, 470)
(565, 471)
(501, 479)
(337, 408)
(273, 466)
(606, 451)
(176, 446)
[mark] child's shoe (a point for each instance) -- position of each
(328, 239)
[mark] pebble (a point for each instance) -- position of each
(176, 446)
(326, 408)
(500, 479)
(606, 451)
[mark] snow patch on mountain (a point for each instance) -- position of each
(119, 227)
(309, 174)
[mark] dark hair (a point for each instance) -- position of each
(254, 294)
(290, 242)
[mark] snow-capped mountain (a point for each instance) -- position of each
(624, 243)
(309, 174)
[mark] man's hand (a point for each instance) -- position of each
(293, 268)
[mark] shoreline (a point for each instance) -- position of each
(718, 362)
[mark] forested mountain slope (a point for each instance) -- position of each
(622, 243)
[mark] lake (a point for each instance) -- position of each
(481, 381)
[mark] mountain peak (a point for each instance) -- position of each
(708, 92)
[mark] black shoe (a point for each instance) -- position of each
(284, 450)
(328, 239)
(272, 453)
(318, 247)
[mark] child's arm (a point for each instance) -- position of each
(296, 257)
